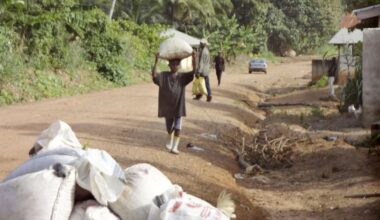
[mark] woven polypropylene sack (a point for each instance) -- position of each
(59, 134)
(175, 48)
(40, 163)
(144, 183)
(91, 210)
(190, 208)
(40, 195)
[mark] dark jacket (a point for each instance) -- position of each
(219, 63)
(332, 69)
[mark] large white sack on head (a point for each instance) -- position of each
(175, 48)
(144, 183)
(91, 210)
(58, 134)
(41, 195)
(40, 163)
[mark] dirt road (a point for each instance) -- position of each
(124, 122)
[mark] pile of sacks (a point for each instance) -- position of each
(64, 181)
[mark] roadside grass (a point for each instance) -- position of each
(269, 56)
(303, 116)
(326, 51)
(35, 85)
(321, 83)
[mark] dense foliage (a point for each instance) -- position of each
(44, 36)
(276, 25)
(58, 34)
(354, 4)
(353, 90)
(53, 41)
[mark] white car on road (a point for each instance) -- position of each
(257, 65)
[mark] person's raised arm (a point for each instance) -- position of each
(154, 69)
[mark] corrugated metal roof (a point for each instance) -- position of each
(368, 12)
(193, 41)
(343, 36)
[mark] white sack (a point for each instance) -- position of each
(175, 48)
(91, 210)
(101, 175)
(178, 205)
(188, 207)
(144, 183)
(58, 134)
(40, 195)
(40, 163)
(97, 171)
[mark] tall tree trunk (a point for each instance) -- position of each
(112, 8)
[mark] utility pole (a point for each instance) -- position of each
(112, 8)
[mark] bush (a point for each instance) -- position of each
(322, 82)
(6, 97)
(269, 56)
(352, 93)
(326, 50)
(75, 57)
(63, 44)
(11, 61)
(317, 112)
(353, 89)
(146, 41)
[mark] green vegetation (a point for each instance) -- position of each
(354, 4)
(240, 26)
(327, 51)
(353, 89)
(317, 112)
(53, 48)
(322, 82)
(269, 56)
(48, 48)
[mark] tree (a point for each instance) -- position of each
(186, 11)
(140, 11)
(223, 7)
(355, 4)
(229, 37)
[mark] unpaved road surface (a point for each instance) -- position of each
(124, 122)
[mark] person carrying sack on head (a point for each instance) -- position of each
(171, 98)
(203, 68)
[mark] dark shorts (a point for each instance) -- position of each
(173, 123)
